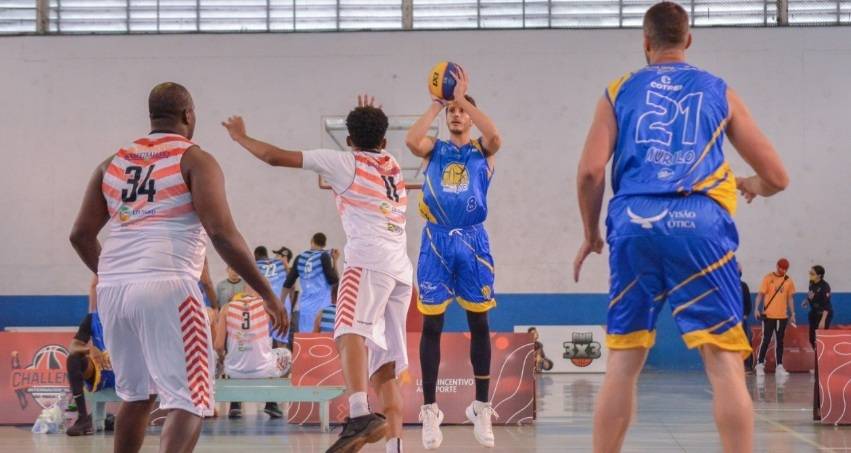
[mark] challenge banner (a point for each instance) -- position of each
(316, 362)
(32, 373)
(568, 349)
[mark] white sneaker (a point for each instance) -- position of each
(480, 414)
(780, 371)
(760, 369)
(432, 417)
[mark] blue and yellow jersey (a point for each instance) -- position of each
(671, 122)
(456, 185)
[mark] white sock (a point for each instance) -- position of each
(393, 445)
(358, 405)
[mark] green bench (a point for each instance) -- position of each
(245, 390)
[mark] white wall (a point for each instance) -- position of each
(69, 101)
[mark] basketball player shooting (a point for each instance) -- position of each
(455, 261)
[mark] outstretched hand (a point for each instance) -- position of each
(235, 127)
(365, 100)
(588, 246)
(461, 83)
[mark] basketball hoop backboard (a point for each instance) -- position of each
(334, 135)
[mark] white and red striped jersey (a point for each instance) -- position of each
(249, 343)
(372, 202)
(154, 232)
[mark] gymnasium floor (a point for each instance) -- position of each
(675, 417)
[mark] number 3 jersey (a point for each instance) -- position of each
(372, 202)
(154, 233)
(671, 122)
(249, 344)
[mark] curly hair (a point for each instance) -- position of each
(367, 126)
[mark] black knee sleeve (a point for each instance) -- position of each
(430, 355)
(480, 353)
(480, 343)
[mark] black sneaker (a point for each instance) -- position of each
(358, 432)
(235, 410)
(273, 410)
(82, 427)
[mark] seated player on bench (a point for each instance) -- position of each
(243, 339)
(88, 364)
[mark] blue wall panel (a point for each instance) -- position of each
(512, 309)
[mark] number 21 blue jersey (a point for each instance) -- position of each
(671, 122)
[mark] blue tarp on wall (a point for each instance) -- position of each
(512, 309)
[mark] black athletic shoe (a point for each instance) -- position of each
(358, 432)
(235, 410)
(273, 410)
(82, 427)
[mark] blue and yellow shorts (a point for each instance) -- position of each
(679, 250)
(100, 379)
(455, 264)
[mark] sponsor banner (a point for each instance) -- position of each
(316, 362)
(798, 355)
(32, 373)
(569, 349)
(832, 400)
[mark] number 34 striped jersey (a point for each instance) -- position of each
(154, 232)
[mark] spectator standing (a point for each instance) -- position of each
(229, 287)
(777, 292)
(818, 301)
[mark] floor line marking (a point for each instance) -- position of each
(794, 433)
(785, 428)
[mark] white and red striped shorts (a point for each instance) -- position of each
(374, 305)
(158, 338)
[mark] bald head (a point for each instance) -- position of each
(666, 26)
(170, 108)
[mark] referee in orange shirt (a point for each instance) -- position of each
(775, 306)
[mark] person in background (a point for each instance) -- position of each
(324, 321)
(88, 364)
(285, 255)
(275, 270)
(243, 342)
(747, 308)
(542, 363)
(777, 291)
(317, 269)
(229, 287)
(818, 301)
